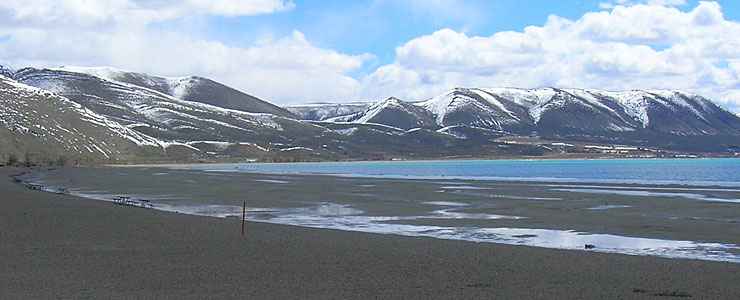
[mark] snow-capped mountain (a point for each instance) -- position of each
(391, 112)
(183, 129)
(105, 114)
(189, 88)
(159, 114)
(172, 128)
(563, 112)
(323, 111)
(6, 71)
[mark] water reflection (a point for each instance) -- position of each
(648, 194)
(345, 217)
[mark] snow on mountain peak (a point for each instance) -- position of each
(376, 108)
(107, 73)
(631, 108)
(6, 71)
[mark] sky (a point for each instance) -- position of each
(297, 51)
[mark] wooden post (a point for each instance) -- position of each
(244, 216)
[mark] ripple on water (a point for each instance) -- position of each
(272, 181)
(446, 203)
(648, 194)
(464, 187)
(605, 207)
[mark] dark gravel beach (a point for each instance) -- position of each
(59, 246)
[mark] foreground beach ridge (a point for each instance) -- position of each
(65, 246)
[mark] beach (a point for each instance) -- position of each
(60, 246)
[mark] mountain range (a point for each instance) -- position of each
(110, 115)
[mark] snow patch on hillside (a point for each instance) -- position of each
(492, 100)
(533, 100)
(181, 87)
(634, 103)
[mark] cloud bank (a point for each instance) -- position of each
(629, 44)
(123, 34)
(627, 47)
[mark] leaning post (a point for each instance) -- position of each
(244, 216)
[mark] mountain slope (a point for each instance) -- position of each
(391, 112)
(190, 88)
(324, 111)
(650, 117)
(7, 72)
(573, 111)
(38, 123)
(104, 114)
(160, 115)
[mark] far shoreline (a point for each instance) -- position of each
(527, 158)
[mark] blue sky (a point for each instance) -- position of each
(378, 27)
(294, 51)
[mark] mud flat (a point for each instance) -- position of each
(56, 245)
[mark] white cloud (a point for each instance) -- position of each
(629, 47)
(92, 13)
(116, 33)
(613, 4)
(632, 45)
(239, 7)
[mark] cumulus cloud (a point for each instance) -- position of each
(628, 47)
(117, 33)
(633, 44)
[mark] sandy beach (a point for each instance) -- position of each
(60, 246)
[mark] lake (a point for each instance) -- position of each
(714, 171)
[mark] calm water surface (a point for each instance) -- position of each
(719, 171)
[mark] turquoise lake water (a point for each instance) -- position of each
(716, 171)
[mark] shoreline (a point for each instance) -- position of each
(524, 158)
(501, 179)
(68, 247)
(709, 226)
(431, 159)
(715, 247)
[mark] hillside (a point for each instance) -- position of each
(650, 117)
(90, 115)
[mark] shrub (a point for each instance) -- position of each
(12, 160)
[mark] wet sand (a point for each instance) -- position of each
(59, 246)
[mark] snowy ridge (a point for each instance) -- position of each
(492, 99)
(145, 111)
(538, 101)
(534, 99)
(179, 87)
(325, 111)
(376, 108)
(107, 73)
(585, 110)
(156, 108)
(6, 71)
(440, 105)
(39, 113)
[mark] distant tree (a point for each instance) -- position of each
(61, 161)
(12, 159)
(27, 159)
